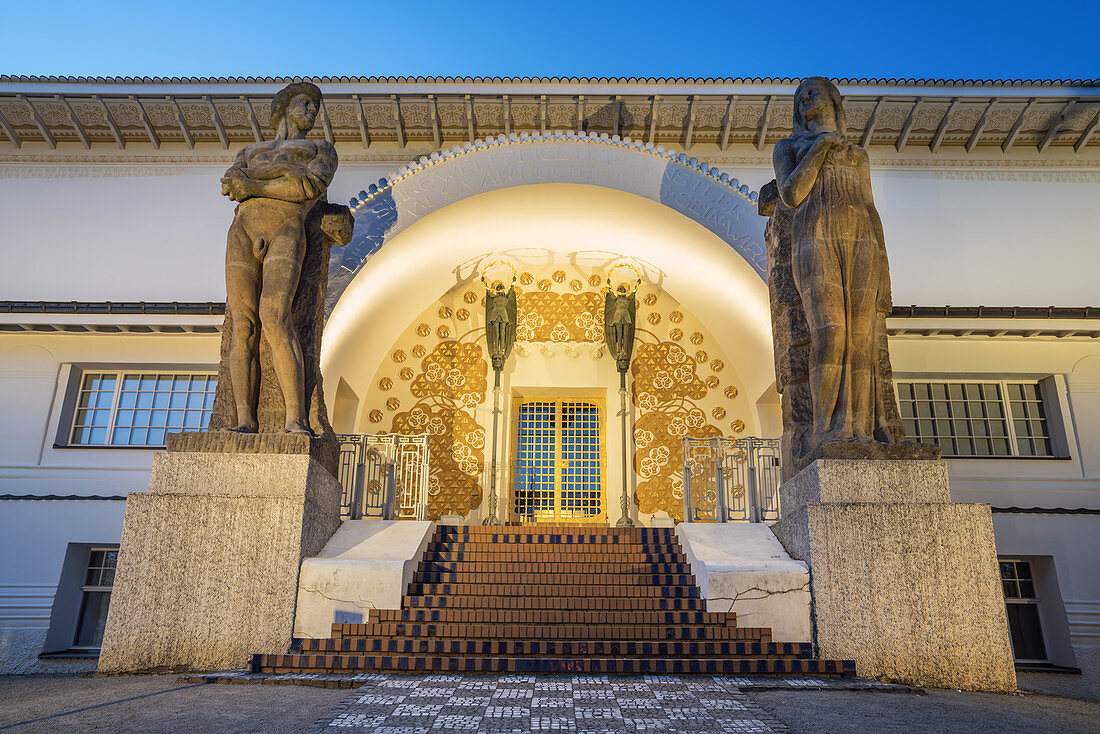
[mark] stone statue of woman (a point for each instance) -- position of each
(838, 258)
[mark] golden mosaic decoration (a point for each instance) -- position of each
(560, 317)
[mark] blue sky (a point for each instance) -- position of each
(994, 40)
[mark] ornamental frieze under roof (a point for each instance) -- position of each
(1057, 118)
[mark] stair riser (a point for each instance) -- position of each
(543, 648)
(623, 666)
(562, 603)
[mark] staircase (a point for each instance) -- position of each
(552, 599)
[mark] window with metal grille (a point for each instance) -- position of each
(1022, 610)
(98, 580)
(122, 408)
(986, 418)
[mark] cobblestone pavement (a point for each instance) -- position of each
(390, 704)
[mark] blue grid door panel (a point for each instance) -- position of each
(580, 461)
(535, 492)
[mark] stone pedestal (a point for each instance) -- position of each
(209, 560)
(903, 580)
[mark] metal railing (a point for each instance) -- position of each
(731, 479)
(383, 476)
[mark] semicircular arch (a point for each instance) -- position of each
(675, 180)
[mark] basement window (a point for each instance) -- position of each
(1022, 609)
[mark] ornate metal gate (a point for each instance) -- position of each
(384, 476)
(731, 479)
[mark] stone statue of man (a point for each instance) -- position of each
(277, 182)
(838, 259)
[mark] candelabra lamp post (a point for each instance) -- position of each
(500, 336)
(620, 308)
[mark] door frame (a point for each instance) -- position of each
(520, 396)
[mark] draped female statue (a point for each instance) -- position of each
(838, 259)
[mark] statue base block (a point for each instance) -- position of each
(208, 564)
(903, 580)
(324, 449)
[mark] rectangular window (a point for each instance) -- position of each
(986, 418)
(140, 408)
(98, 580)
(1022, 609)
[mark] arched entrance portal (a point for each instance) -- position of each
(404, 345)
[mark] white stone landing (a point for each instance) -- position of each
(366, 565)
(743, 568)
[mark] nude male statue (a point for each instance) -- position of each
(277, 182)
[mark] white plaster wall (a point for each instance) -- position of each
(33, 538)
(152, 228)
(33, 372)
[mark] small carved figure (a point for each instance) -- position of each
(500, 323)
(619, 309)
(277, 184)
(838, 258)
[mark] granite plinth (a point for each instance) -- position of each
(904, 581)
(209, 560)
(854, 480)
(324, 449)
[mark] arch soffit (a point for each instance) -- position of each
(686, 185)
(678, 255)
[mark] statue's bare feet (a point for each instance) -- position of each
(297, 426)
(249, 427)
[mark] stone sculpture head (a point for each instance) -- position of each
(818, 99)
(295, 105)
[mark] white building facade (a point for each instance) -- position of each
(113, 235)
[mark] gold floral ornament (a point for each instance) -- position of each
(654, 318)
(375, 416)
(540, 313)
(450, 371)
(730, 392)
(545, 284)
(594, 280)
(558, 276)
(717, 365)
(526, 279)
(385, 383)
(398, 356)
(462, 314)
(675, 317)
(455, 458)
(650, 299)
(719, 413)
(696, 338)
(423, 330)
(393, 404)
(675, 335)
(443, 332)
(665, 372)
(444, 312)
(658, 458)
(469, 297)
(738, 426)
(701, 356)
(418, 351)
(711, 382)
(406, 373)
(576, 285)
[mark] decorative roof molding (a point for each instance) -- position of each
(659, 151)
(701, 81)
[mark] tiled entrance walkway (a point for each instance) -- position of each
(396, 704)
